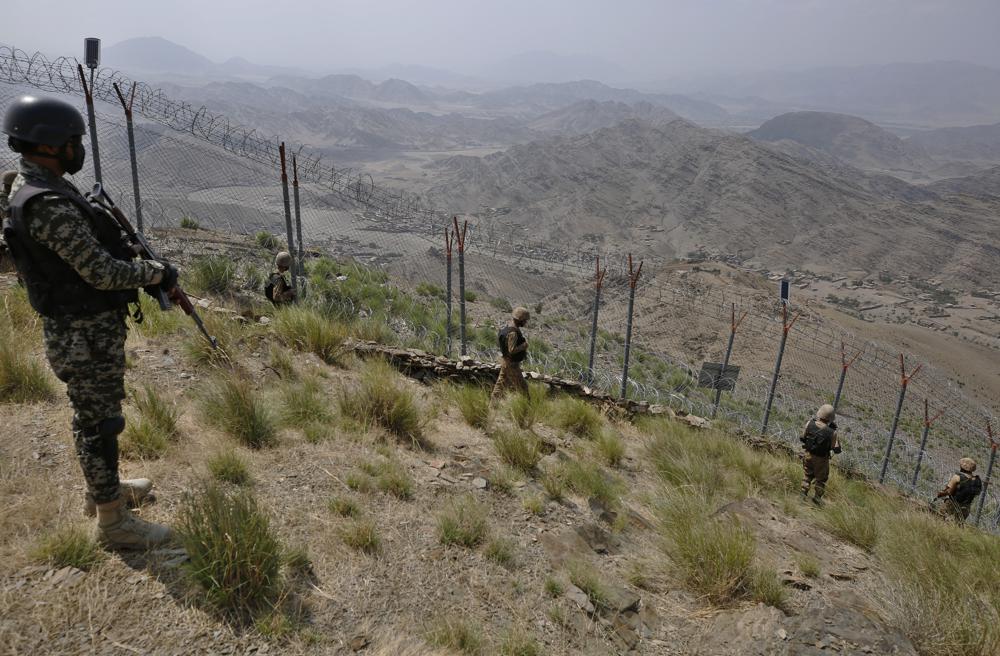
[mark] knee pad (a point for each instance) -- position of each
(108, 428)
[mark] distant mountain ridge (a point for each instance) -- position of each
(977, 142)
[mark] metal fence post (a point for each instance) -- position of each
(928, 420)
(633, 278)
(95, 151)
(460, 240)
(733, 326)
(598, 284)
(786, 326)
(288, 215)
(127, 106)
(449, 242)
(904, 381)
(989, 471)
(845, 364)
(300, 260)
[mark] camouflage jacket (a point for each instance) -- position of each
(57, 224)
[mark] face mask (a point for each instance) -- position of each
(73, 164)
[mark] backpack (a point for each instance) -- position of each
(816, 440)
(269, 288)
(968, 489)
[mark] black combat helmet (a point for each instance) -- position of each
(42, 121)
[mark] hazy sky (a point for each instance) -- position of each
(651, 39)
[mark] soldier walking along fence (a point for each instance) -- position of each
(647, 343)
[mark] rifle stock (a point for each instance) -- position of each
(164, 298)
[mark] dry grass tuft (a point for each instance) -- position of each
(380, 400)
(23, 379)
(150, 433)
(305, 403)
(519, 449)
(462, 522)
(361, 535)
(577, 417)
(70, 546)
(474, 404)
(308, 330)
(231, 404)
(525, 409)
(229, 467)
(457, 634)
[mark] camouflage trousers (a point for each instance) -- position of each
(88, 354)
(510, 379)
(950, 509)
(815, 469)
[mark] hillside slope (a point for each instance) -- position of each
(705, 187)
(977, 142)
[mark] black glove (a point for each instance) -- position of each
(837, 449)
(833, 425)
(170, 275)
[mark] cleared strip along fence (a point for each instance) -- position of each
(192, 163)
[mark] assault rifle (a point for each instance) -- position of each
(164, 298)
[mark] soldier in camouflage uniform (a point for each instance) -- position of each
(513, 351)
(80, 276)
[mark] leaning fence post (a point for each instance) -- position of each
(95, 151)
(598, 284)
(786, 326)
(904, 381)
(989, 470)
(288, 215)
(300, 261)
(449, 242)
(845, 364)
(127, 106)
(633, 279)
(733, 326)
(928, 420)
(460, 240)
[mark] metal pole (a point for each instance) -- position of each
(460, 238)
(95, 152)
(905, 380)
(127, 106)
(989, 472)
(288, 215)
(598, 284)
(448, 243)
(923, 444)
(845, 364)
(733, 325)
(633, 278)
(786, 326)
(299, 262)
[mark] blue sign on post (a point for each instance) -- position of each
(784, 291)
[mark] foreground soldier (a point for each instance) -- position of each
(962, 489)
(513, 351)
(818, 439)
(277, 289)
(80, 277)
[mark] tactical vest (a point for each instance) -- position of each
(502, 338)
(54, 288)
(968, 488)
(818, 441)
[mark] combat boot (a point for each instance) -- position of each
(133, 490)
(118, 528)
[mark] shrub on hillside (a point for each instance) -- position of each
(474, 404)
(190, 223)
(462, 522)
(309, 331)
(213, 274)
(380, 400)
(519, 449)
(231, 404)
(268, 241)
(525, 409)
(577, 417)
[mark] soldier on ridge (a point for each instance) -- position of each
(962, 489)
(277, 290)
(818, 439)
(80, 277)
(513, 351)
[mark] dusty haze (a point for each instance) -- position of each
(633, 41)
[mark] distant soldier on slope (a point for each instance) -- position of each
(818, 439)
(277, 290)
(962, 489)
(80, 277)
(513, 351)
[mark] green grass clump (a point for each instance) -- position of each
(457, 634)
(610, 448)
(474, 404)
(156, 322)
(305, 403)
(859, 526)
(583, 575)
(388, 476)
(500, 551)
(268, 241)
(235, 557)
(230, 404)
(317, 432)
(503, 479)
(190, 223)
(553, 481)
(229, 467)
(553, 587)
(23, 379)
(214, 274)
(380, 400)
(525, 409)
(69, 547)
(589, 479)
(361, 535)
(518, 642)
(308, 330)
(150, 433)
(280, 361)
(519, 449)
(577, 417)
(462, 522)
(16, 314)
(808, 565)
(345, 507)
